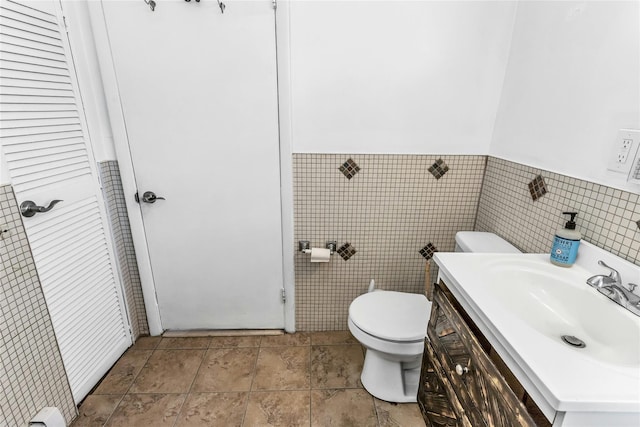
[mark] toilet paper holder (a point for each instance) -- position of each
(304, 246)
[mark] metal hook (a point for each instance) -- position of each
(221, 6)
(151, 3)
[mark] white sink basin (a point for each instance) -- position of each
(556, 302)
(524, 305)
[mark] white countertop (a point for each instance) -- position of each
(568, 379)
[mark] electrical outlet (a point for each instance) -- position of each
(625, 147)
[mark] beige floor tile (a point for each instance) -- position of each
(282, 368)
(346, 407)
(191, 342)
(168, 371)
(398, 414)
(226, 369)
(336, 366)
(95, 410)
(213, 409)
(250, 341)
(146, 343)
(332, 338)
(137, 410)
(121, 376)
(297, 339)
(278, 408)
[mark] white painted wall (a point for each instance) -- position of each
(572, 81)
(397, 77)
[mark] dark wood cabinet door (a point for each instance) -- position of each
(484, 395)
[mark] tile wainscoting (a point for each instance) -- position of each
(607, 217)
(32, 374)
(388, 213)
(114, 199)
(392, 210)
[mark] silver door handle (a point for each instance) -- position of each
(29, 208)
(150, 197)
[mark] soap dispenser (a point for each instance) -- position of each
(565, 243)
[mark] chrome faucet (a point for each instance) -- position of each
(601, 280)
(611, 287)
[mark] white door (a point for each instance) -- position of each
(199, 96)
(44, 142)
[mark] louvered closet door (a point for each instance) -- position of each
(46, 151)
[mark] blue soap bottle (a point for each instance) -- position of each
(565, 243)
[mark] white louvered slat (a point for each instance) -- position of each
(50, 180)
(36, 84)
(69, 282)
(25, 143)
(63, 305)
(29, 54)
(48, 168)
(10, 40)
(55, 271)
(34, 115)
(54, 267)
(12, 30)
(96, 286)
(52, 163)
(59, 238)
(26, 9)
(61, 66)
(42, 130)
(29, 91)
(26, 99)
(28, 51)
(43, 142)
(35, 68)
(45, 153)
(42, 122)
(16, 71)
(98, 315)
(36, 24)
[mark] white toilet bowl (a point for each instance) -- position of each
(392, 326)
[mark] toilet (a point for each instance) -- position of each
(393, 325)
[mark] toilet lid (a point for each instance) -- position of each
(393, 316)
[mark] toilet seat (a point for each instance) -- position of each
(392, 316)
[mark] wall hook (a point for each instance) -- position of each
(221, 6)
(151, 3)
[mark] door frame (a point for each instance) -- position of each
(125, 161)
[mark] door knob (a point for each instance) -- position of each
(149, 197)
(29, 208)
(461, 370)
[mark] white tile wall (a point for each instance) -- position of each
(32, 374)
(607, 217)
(387, 211)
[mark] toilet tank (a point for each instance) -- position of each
(480, 241)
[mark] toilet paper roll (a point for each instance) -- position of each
(320, 255)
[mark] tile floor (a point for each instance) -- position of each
(302, 379)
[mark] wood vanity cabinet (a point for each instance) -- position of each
(459, 384)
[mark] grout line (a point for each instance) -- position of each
(310, 363)
(204, 355)
(255, 371)
(375, 409)
(130, 385)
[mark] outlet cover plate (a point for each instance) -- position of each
(624, 151)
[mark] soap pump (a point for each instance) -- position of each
(565, 243)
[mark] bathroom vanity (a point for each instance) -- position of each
(460, 384)
(495, 355)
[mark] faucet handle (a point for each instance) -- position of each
(613, 274)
